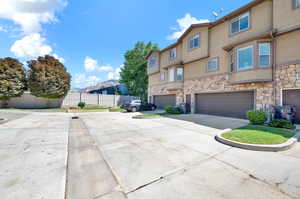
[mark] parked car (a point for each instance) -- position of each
(138, 105)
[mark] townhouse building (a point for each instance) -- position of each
(248, 59)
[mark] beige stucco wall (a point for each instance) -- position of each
(165, 56)
(154, 69)
(260, 22)
(251, 75)
(202, 51)
(154, 79)
(284, 15)
(29, 101)
(288, 47)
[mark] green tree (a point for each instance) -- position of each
(48, 78)
(12, 78)
(134, 72)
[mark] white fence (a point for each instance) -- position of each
(72, 99)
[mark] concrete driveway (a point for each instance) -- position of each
(112, 156)
(169, 158)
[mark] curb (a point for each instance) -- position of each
(258, 147)
(3, 120)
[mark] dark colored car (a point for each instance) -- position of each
(138, 105)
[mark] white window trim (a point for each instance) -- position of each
(238, 19)
(259, 54)
(173, 51)
(192, 38)
(162, 76)
(155, 63)
(296, 4)
(237, 58)
(214, 59)
(177, 73)
(173, 78)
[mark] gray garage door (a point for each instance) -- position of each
(233, 104)
(164, 100)
(292, 97)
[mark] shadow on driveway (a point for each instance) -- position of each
(212, 121)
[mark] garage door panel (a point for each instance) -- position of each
(292, 97)
(234, 104)
(162, 101)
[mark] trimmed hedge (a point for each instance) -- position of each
(282, 124)
(257, 117)
(172, 110)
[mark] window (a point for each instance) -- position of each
(245, 58)
(296, 3)
(171, 74)
(152, 61)
(213, 64)
(264, 54)
(173, 53)
(179, 74)
(240, 23)
(162, 76)
(194, 42)
(231, 61)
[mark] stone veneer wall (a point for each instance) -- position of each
(285, 78)
(168, 89)
(220, 83)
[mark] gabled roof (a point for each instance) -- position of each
(212, 24)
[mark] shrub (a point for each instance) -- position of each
(282, 124)
(48, 78)
(81, 104)
(172, 110)
(257, 117)
(12, 78)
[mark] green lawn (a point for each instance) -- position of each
(254, 134)
(116, 109)
(148, 115)
(93, 108)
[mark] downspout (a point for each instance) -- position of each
(274, 68)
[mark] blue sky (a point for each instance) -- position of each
(91, 36)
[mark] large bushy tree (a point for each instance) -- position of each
(134, 72)
(48, 78)
(12, 78)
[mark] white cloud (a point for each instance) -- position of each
(183, 24)
(30, 14)
(31, 46)
(91, 65)
(82, 81)
(62, 60)
(115, 74)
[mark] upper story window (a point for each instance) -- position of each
(213, 64)
(194, 42)
(152, 61)
(171, 74)
(173, 53)
(296, 3)
(179, 74)
(245, 58)
(264, 54)
(240, 23)
(162, 76)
